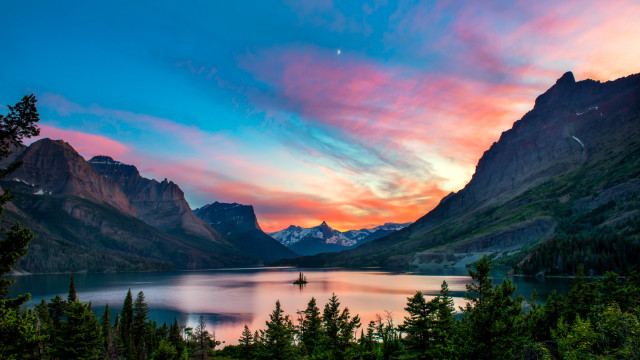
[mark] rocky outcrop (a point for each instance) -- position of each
(226, 218)
(159, 204)
(54, 167)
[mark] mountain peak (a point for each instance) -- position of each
(567, 78)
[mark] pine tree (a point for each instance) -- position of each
(277, 339)
(245, 342)
(72, 290)
(126, 322)
(419, 326)
(445, 326)
(310, 328)
(139, 326)
(107, 334)
(492, 317)
(174, 335)
(339, 327)
(204, 341)
(18, 124)
(82, 339)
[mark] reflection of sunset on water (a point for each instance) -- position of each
(229, 299)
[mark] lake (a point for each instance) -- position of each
(230, 298)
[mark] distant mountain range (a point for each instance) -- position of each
(568, 170)
(101, 215)
(322, 238)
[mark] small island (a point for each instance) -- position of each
(301, 280)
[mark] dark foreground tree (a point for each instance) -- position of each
(17, 334)
(276, 341)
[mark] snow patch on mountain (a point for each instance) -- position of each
(295, 234)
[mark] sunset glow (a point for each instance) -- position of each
(356, 114)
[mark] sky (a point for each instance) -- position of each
(356, 113)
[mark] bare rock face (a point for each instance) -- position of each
(56, 168)
(159, 204)
(239, 224)
(227, 218)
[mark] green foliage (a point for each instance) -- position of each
(493, 317)
(338, 327)
(126, 326)
(203, 340)
(139, 326)
(276, 342)
(601, 249)
(310, 328)
(72, 290)
(165, 351)
(246, 345)
(82, 338)
(18, 336)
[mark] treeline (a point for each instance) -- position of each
(69, 329)
(613, 248)
(596, 319)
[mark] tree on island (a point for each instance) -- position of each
(301, 280)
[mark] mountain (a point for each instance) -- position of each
(570, 166)
(159, 204)
(56, 168)
(83, 221)
(322, 238)
(239, 224)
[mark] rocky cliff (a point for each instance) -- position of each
(159, 204)
(239, 224)
(55, 168)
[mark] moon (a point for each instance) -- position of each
(338, 52)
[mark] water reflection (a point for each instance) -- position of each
(230, 298)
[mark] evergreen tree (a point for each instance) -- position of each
(82, 338)
(245, 342)
(204, 341)
(139, 326)
(18, 124)
(174, 335)
(581, 296)
(492, 317)
(126, 323)
(107, 334)
(339, 327)
(445, 326)
(310, 328)
(418, 326)
(43, 327)
(277, 339)
(72, 290)
(17, 334)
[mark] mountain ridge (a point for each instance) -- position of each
(323, 238)
(579, 139)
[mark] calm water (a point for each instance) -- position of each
(229, 299)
